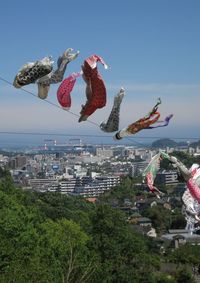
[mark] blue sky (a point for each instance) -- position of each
(152, 48)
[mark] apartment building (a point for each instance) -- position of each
(167, 177)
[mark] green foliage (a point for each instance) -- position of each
(165, 278)
(185, 276)
(54, 238)
(187, 254)
(56, 206)
(177, 221)
(123, 253)
(65, 244)
(166, 165)
(160, 217)
(126, 190)
(35, 248)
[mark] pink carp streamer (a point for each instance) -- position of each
(65, 89)
(150, 173)
(192, 185)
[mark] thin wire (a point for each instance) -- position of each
(91, 135)
(53, 134)
(49, 102)
(89, 121)
(67, 135)
(57, 106)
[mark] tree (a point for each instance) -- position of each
(187, 254)
(123, 253)
(160, 217)
(183, 275)
(65, 244)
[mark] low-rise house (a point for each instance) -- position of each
(144, 221)
(178, 237)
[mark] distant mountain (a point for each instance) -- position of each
(167, 142)
(195, 144)
(164, 143)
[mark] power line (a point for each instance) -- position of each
(57, 106)
(63, 135)
(130, 138)
(48, 101)
(92, 135)
(54, 134)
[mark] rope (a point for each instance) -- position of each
(89, 121)
(48, 101)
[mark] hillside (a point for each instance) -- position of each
(167, 142)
